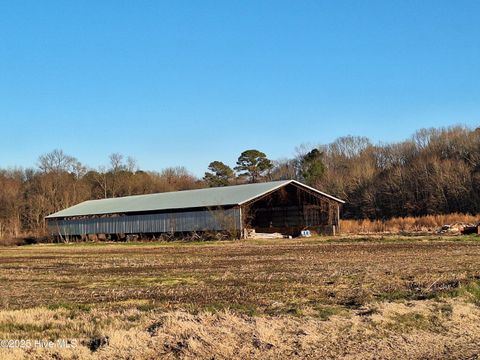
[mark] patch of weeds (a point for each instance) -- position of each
(70, 306)
(284, 309)
(355, 300)
(146, 307)
(141, 281)
(423, 296)
(244, 309)
(409, 321)
(10, 327)
(138, 304)
(471, 237)
(294, 311)
(133, 318)
(416, 321)
(471, 291)
(215, 307)
(249, 310)
(178, 281)
(444, 309)
(73, 309)
(396, 295)
(325, 312)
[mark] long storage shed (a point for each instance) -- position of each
(280, 206)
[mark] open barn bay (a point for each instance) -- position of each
(361, 298)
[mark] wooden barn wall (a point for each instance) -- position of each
(203, 220)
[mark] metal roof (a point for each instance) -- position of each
(209, 197)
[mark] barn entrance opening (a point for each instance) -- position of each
(291, 209)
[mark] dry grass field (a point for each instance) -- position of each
(393, 297)
(424, 224)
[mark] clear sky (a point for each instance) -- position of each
(187, 82)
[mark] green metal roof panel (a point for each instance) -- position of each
(210, 197)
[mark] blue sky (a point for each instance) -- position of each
(188, 82)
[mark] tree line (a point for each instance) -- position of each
(436, 171)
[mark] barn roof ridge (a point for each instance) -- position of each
(174, 200)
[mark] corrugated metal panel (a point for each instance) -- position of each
(211, 197)
(153, 223)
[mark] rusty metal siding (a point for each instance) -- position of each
(204, 220)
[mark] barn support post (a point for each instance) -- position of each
(240, 215)
(337, 219)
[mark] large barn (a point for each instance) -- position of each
(286, 206)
